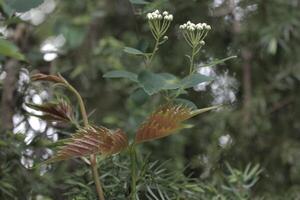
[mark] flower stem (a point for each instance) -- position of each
(93, 160)
(154, 51)
(192, 60)
(133, 172)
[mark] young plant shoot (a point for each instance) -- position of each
(91, 141)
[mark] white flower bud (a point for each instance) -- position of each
(202, 42)
(149, 15)
(199, 26)
(165, 13)
(165, 37)
(208, 27)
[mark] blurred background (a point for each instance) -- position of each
(84, 39)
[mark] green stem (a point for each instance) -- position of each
(133, 172)
(192, 60)
(93, 160)
(96, 177)
(81, 104)
(194, 52)
(154, 51)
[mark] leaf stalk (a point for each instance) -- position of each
(93, 158)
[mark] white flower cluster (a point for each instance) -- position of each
(157, 15)
(189, 26)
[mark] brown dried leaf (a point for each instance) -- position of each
(45, 77)
(59, 111)
(92, 140)
(165, 121)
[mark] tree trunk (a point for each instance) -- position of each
(8, 101)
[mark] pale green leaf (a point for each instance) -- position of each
(171, 81)
(133, 51)
(9, 49)
(186, 103)
(138, 2)
(203, 110)
(193, 80)
(272, 47)
(23, 5)
(220, 61)
(121, 74)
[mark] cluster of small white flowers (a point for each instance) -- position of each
(157, 15)
(189, 26)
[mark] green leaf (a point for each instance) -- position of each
(138, 2)
(151, 82)
(186, 102)
(272, 47)
(74, 35)
(133, 51)
(203, 110)
(7, 48)
(6, 9)
(139, 96)
(193, 80)
(23, 5)
(171, 81)
(220, 61)
(121, 74)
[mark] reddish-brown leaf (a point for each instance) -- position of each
(45, 77)
(165, 121)
(59, 111)
(92, 140)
